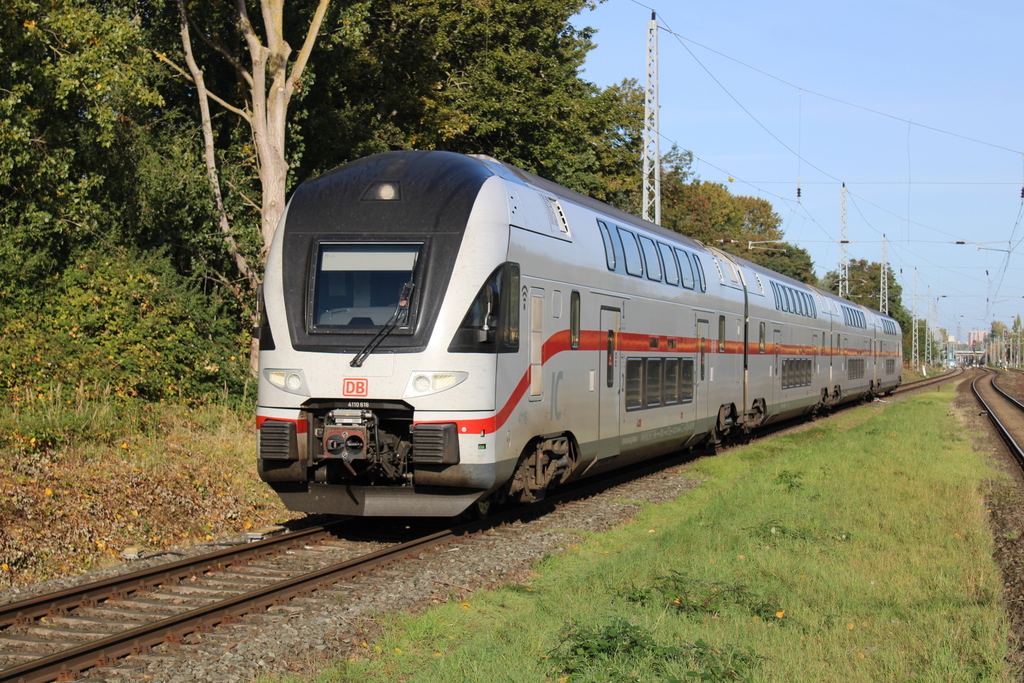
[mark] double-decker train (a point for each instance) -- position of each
(440, 331)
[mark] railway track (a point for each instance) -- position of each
(929, 381)
(54, 636)
(1005, 412)
(59, 635)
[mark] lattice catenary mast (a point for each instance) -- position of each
(844, 249)
(652, 149)
(883, 292)
(915, 354)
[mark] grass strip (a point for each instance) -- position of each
(856, 549)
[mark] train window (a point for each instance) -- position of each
(651, 258)
(686, 380)
(609, 247)
(510, 308)
(652, 382)
(631, 253)
(721, 334)
(671, 268)
(574, 320)
(686, 268)
(760, 338)
(491, 325)
(670, 387)
(698, 270)
(359, 285)
(634, 383)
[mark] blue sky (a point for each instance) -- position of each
(917, 106)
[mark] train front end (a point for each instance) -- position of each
(385, 303)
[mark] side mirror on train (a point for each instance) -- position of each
(488, 332)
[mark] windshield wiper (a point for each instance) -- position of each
(400, 315)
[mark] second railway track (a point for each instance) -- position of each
(1005, 412)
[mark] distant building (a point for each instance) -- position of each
(976, 337)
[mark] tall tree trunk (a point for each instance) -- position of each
(266, 111)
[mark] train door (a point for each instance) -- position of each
(536, 344)
(608, 384)
(777, 369)
(702, 378)
(876, 353)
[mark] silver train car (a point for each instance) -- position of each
(441, 331)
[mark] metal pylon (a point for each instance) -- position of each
(652, 149)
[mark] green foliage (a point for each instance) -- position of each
(689, 595)
(122, 323)
(73, 86)
(612, 650)
(791, 480)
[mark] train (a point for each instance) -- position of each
(443, 333)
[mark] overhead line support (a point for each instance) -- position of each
(652, 149)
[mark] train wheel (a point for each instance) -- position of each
(544, 464)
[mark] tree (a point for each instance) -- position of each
(261, 95)
(72, 94)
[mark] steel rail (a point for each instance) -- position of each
(928, 381)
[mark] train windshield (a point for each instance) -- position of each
(358, 285)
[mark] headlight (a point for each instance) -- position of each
(292, 381)
(422, 383)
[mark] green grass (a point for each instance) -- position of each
(854, 550)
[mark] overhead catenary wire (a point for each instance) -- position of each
(800, 211)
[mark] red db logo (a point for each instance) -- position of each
(355, 387)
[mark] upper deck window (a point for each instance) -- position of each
(609, 247)
(634, 266)
(671, 269)
(651, 258)
(358, 285)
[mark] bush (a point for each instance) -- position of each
(120, 324)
